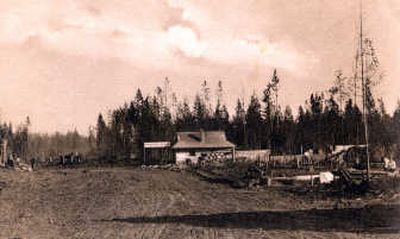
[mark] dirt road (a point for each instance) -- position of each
(134, 203)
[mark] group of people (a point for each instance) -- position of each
(12, 160)
(64, 159)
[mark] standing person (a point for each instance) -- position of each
(17, 160)
(49, 161)
(78, 158)
(72, 158)
(33, 162)
(10, 161)
(61, 159)
(64, 160)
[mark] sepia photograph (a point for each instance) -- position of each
(170, 119)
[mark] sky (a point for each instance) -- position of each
(64, 61)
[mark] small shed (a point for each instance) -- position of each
(156, 152)
(207, 145)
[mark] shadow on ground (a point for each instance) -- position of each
(372, 219)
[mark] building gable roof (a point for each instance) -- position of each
(202, 139)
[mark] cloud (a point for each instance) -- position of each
(186, 40)
(189, 11)
(100, 32)
(230, 34)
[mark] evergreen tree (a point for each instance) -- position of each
(288, 131)
(340, 90)
(271, 113)
(200, 113)
(305, 135)
(205, 96)
(92, 140)
(101, 135)
(238, 125)
(220, 118)
(254, 123)
(316, 107)
(395, 125)
(331, 123)
(184, 118)
(381, 135)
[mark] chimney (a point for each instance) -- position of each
(202, 135)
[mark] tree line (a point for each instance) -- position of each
(332, 117)
(325, 119)
(15, 139)
(24, 144)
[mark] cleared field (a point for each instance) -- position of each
(135, 203)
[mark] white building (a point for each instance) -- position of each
(197, 145)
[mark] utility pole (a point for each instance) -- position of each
(355, 79)
(364, 97)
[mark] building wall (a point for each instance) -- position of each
(194, 155)
(183, 157)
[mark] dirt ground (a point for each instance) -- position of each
(136, 203)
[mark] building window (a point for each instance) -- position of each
(192, 153)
